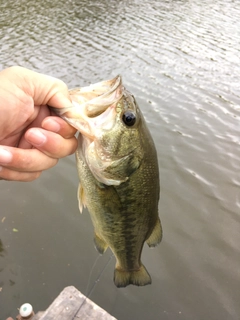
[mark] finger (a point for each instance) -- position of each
(52, 144)
(42, 88)
(11, 175)
(58, 125)
(42, 114)
(25, 160)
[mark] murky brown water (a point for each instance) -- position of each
(181, 60)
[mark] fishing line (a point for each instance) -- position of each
(90, 274)
(99, 276)
(94, 284)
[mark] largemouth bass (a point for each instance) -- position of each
(119, 178)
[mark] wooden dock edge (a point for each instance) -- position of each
(71, 304)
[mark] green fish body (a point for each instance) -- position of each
(119, 177)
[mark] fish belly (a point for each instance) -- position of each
(117, 225)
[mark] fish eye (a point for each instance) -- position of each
(129, 118)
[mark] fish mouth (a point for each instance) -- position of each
(92, 106)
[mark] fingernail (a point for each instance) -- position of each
(36, 137)
(5, 156)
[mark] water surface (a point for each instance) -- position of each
(181, 60)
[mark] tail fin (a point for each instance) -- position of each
(138, 277)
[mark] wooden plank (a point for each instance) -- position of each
(71, 304)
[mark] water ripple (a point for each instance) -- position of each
(181, 59)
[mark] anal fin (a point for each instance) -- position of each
(156, 235)
(100, 244)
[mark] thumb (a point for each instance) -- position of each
(50, 91)
(59, 99)
(43, 89)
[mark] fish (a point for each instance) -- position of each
(119, 175)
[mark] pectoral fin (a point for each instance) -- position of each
(122, 168)
(81, 198)
(156, 235)
(111, 172)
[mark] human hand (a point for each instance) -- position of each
(31, 138)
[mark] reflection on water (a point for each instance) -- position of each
(181, 60)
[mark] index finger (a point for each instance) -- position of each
(58, 125)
